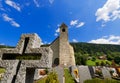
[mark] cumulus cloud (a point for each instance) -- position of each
(10, 20)
(74, 40)
(80, 24)
(13, 4)
(36, 3)
(73, 22)
(109, 12)
(51, 1)
(107, 40)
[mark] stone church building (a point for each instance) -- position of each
(63, 53)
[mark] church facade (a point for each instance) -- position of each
(63, 53)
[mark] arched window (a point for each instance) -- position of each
(56, 61)
(63, 30)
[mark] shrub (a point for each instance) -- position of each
(52, 78)
(68, 76)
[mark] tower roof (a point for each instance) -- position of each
(63, 25)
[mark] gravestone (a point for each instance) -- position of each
(60, 71)
(105, 72)
(84, 73)
(17, 68)
(74, 72)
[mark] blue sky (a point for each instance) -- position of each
(93, 21)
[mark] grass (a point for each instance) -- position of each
(68, 76)
(97, 80)
(93, 63)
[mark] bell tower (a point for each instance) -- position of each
(63, 33)
(66, 53)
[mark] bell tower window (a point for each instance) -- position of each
(63, 30)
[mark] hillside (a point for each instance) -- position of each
(85, 50)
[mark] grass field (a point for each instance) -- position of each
(93, 63)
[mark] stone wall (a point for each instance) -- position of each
(55, 48)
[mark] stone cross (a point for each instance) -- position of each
(17, 69)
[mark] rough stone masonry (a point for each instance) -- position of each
(16, 70)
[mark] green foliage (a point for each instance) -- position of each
(41, 80)
(95, 50)
(98, 62)
(97, 80)
(2, 70)
(93, 58)
(68, 76)
(52, 78)
(117, 59)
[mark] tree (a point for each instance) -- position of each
(102, 63)
(117, 59)
(97, 63)
(93, 58)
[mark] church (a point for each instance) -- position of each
(63, 53)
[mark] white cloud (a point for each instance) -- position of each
(76, 23)
(10, 20)
(73, 22)
(57, 30)
(36, 3)
(13, 4)
(80, 24)
(74, 40)
(107, 40)
(109, 12)
(51, 1)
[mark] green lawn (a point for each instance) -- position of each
(68, 76)
(93, 63)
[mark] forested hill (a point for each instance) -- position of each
(89, 48)
(85, 50)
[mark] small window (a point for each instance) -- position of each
(63, 30)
